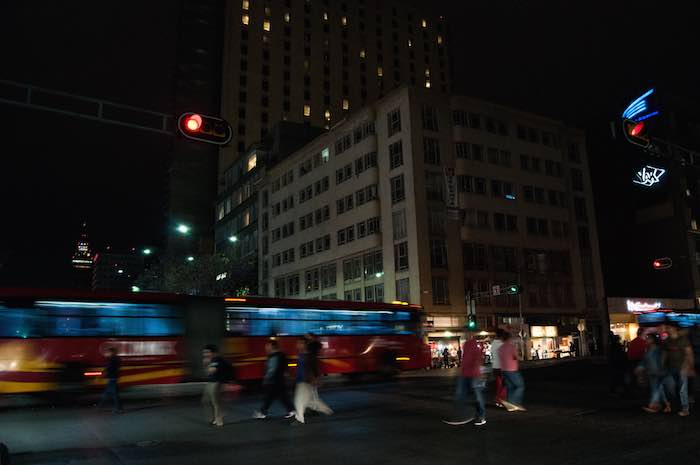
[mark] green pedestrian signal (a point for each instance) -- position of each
(471, 323)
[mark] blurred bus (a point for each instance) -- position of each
(55, 340)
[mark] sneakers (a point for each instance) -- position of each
(652, 409)
(480, 422)
(458, 422)
(259, 415)
(684, 413)
(290, 414)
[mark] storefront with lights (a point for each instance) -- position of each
(626, 312)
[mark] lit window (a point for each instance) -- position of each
(427, 72)
(380, 71)
(267, 11)
(346, 104)
(252, 161)
(325, 154)
(327, 114)
(325, 16)
(439, 40)
(266, 25)
(286, 17)
(306, 65)
(245, 19)
(362, 53)
(307, 110)
(344, 20)
(423, 23)
(245, 5)
(427, 84)
(410, 43)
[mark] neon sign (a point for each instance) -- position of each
(639, 306)
(649, 175)
(639, 109)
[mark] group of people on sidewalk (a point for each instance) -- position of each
(510, 386)
(664, 358)
(308, 374)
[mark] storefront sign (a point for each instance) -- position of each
(543, 331)
(642, 306)
(450, 188)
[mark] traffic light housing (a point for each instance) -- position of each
(471, 322)
(662, 263)
(513, 289)
(204, 128)
(636, 132)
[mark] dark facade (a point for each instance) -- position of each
(115, 271)
(192, 170)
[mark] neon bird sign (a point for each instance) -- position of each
(640, 109)
(649, 175)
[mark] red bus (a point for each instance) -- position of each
(55, 340)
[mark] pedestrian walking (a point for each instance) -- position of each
(652, 364)
(496, 367)
(635, 354)
(678, 359)
(471, 381)
(274, 383)
(446, 358)
(459, 356)
(219, 371)
(515, 385)
(305, 391)
(111, 374)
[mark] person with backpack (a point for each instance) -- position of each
(274, 381)
(219, 371)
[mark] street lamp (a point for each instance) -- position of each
(183, 228)
(147, 251)
(190, 258)
(233, 239)
(135, 289)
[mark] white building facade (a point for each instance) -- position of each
(428, 198)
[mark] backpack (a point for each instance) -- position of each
(228, 373)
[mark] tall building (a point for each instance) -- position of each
(192, 167)
(315, 61)
(236, 230)
(82, 257)
(430, 199)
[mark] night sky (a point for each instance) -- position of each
(577, 61)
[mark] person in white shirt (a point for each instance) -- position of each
(501, 393)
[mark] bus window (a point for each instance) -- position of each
(19, 322)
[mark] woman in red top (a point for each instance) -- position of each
(472, 380)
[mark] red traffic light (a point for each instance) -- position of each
(193, 122)
(636, 132)
(662, 263)
(204, 128)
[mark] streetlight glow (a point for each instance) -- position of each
(190, 258)
(233, 239)
(135, 289)
(183, 228)
(147, 251)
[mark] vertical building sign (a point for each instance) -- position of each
(451, 199)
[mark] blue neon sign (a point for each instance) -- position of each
(641, 108)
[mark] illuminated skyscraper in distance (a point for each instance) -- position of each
(82, 257)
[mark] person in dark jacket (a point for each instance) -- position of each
(274, 381)
(617, 365)
(111, 374)
(216, 376)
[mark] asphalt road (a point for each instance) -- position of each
(571, 419)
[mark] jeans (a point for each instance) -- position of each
(500, 385)
(276, 391)
(111, 391)
(680, 382)
(306, 396)
(515, 385)
(212, 396)
(657, 390)
(475, 385)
